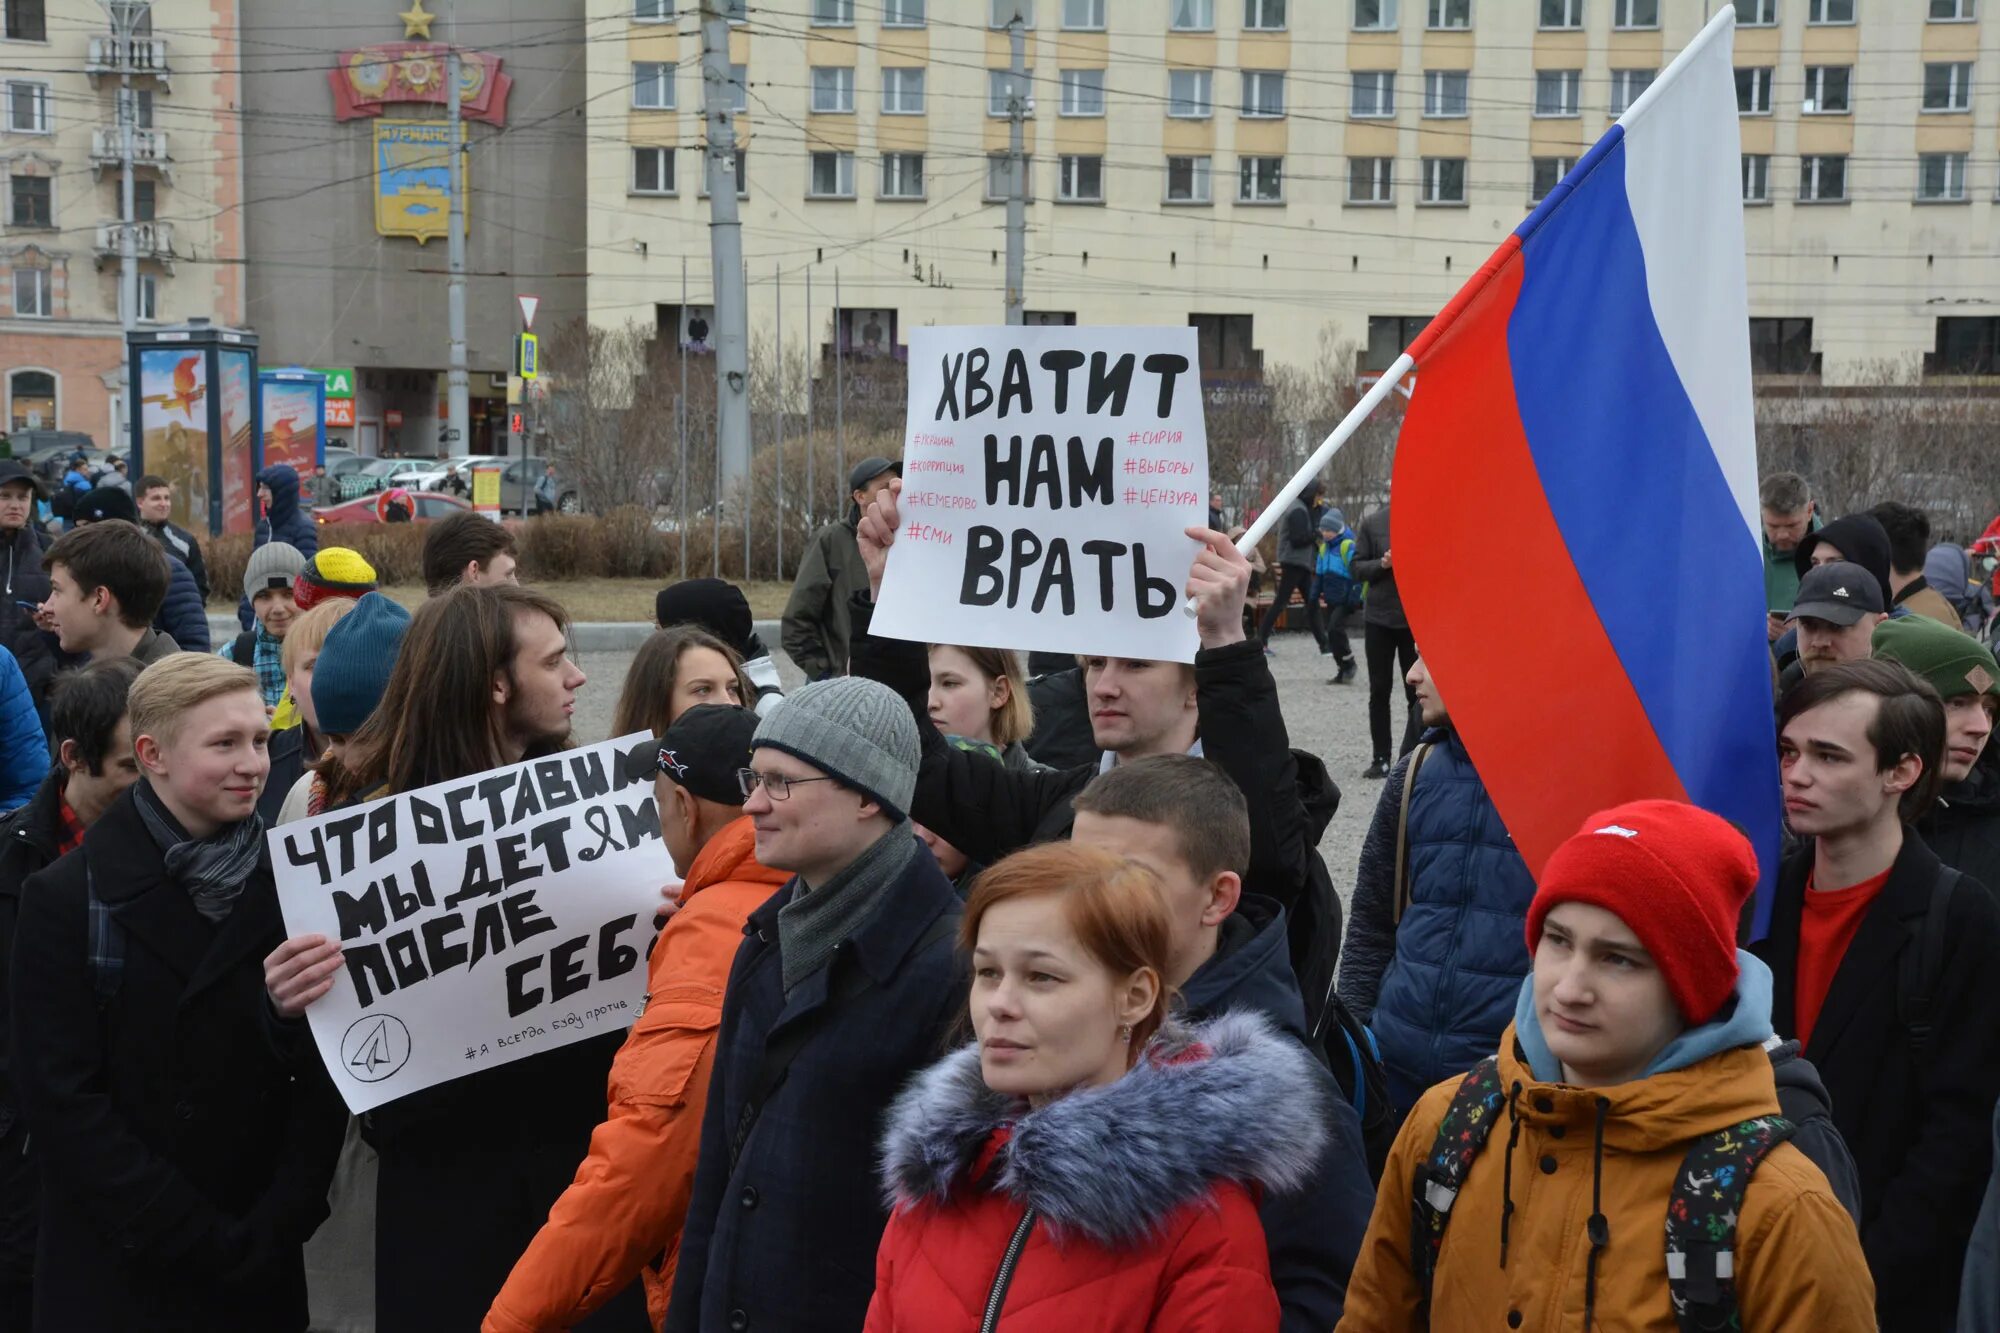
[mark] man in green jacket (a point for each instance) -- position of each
(1789, 515)
(815, 632)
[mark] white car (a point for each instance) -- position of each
(455, 474)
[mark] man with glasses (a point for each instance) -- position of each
(844, 987)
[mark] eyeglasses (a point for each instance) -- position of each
(777, 786)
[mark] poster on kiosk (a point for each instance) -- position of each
(194, 413)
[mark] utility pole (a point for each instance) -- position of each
(732, 343)
(125, 16)
(778, 340)
(1017, 174)
(457, 387)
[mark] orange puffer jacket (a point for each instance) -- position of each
(630, 1196)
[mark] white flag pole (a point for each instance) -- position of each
(1323, 455)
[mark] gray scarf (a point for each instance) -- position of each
(814, 922)
(213, 870)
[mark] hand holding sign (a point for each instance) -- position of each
(1218, 585)
(877, 534)
(299, 971)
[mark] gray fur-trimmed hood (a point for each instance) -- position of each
(1110, 1163)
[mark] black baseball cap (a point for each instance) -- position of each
(870, 468)
(12, 470)
(103, 502)
(702, 751)
(1840, 592)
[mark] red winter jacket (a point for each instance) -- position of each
(1143, 1191)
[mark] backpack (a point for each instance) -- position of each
(243, 649)
(1918, 969)
(1355, 1062)
(1701, 1213)
(1337, 584)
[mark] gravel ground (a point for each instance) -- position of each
(1329, 720)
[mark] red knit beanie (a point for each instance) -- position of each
(1674, 873)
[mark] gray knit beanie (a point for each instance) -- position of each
(272, 565)
(859, 731)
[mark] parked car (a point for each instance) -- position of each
(46, 453)
(457, 476)
(518, 482)
(379, 474)
(429, 506)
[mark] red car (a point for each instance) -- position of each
(423, 507)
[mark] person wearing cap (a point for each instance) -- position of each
(338, 688)
(846, 984)
(1963, 826)
(1637, 1037)
(1857, 539)
(155, 498)
(816, 629)
(1880, 955)
(1336, 592)
(267, 581)
(1298, 557)
(331, 572)
(1838, 607)
(23, 584)
(182, 612)
(622, 1215)
(105, 588)
(721, 608)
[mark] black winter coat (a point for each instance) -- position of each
(785, 1237)
(1963, 828)
(1062, 737)
(287, 522)
(1384, 604)
(28, 839)
(193, 1134)
(1918, 1127)
(23, 587)
(987, 811)
(1314, 1234)
(183, 615)
(181, 544)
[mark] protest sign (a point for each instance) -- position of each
(481, 921)
(1049, 475)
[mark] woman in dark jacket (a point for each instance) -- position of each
(1080, 1165)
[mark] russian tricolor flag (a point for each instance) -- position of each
(1575, 528)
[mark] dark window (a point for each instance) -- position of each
(27, 20)
(144, 200)
(34, 204)
(1388, 335)
(1225, 342)
(1782, 347)
(1967, 345)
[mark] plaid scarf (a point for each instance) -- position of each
(213, 870)
(269, 659)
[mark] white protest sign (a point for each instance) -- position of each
(481, 921)
(1049, 475)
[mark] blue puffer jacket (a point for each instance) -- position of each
(1438, 988)
(287, 521)
(24, 750)
(183, 615)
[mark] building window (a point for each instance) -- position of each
(1263, 93)
(1444, 180)
(739, 87)
(1941, 177)
(31, 399)
(1449, 15)
(1000, 13)
(1948, 87)
(832, 176)
(1547, 174)
(999, 87)
(1082, 92)
(1188, 180)
(1823, 179)
(1260, 180)
(1827, 90)
(1372, 15)
(1083, 15)
(27, 21)
(27, 108)
(142, 104)
(1953, 11)
(652, 171)
(1562, 14)
(1388, 335)
(901, 14)
(1635, 13)
(1557, 92)
(1966, 345)
(149, 297)
(1756, 178)
(652, 86)
(742, 174)
(1371, 180)
(1269, 15)
(1225, 342)
(1626, 85)
(34, 202)
(1444, 92)
(1753, 90)
(145, 198)
(833, 13)
(652, 11)
(903, 92)
(34, 293)
(996, 177)
(1193, 16)
(1081, 180)
(1756, 13)
(833, 89)
(1189, 93)
(902, 175)
(1781, 347)
(1372, 93)
(1829, 11)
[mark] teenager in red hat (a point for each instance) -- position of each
(1620, 1163)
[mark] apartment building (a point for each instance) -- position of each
(62, 68)
(1293, 177)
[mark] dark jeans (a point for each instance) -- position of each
(1333, 623)
(1291, 579)
(1386, 648)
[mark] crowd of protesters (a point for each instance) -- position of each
(991, 993)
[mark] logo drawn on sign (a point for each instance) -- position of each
(375, 1047)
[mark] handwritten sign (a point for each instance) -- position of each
(481, 921)
(1048, 478)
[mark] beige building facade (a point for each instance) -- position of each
(1299, 178)
(61, 68)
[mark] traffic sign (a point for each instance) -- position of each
(527, 356)
(528, 307)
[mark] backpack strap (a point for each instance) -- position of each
(1920, 967)
(1402, 882)
(1468, 1122)
(1702, 1214)
(243, 649)
(106, 943)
